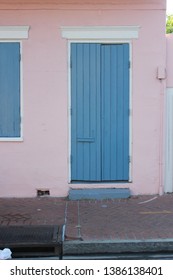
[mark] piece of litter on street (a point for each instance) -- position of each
(104, 206)
(5, 254)
(148, 200)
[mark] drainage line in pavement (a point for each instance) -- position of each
(78, 225)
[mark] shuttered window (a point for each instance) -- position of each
(9, 90)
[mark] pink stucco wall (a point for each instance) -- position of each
(42, 159)
(169, 60)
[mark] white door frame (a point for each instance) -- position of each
(104, 35)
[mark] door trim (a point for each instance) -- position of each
(130, 102)
(103, 40)
(100, 34)
(168, 184)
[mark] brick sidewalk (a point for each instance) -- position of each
(137, 218)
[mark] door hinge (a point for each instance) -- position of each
(130, 112)
(20, 57)
(129, 64)
(130, 159)
(70, 62)
(71, 111)
(71, 159)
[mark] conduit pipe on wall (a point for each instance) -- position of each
(161, 76)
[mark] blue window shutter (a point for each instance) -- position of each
(9, 89)
(85, 119)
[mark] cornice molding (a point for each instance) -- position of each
(100, 32)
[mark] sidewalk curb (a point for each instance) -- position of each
(117, 246)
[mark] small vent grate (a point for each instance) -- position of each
(43, 192)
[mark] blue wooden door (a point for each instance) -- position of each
(99, 112)
(9, 89)
(85, 115)
(115, 112)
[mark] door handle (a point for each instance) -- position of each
(87, 139)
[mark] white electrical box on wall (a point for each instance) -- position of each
(161, 73)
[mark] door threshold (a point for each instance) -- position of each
(99, 194)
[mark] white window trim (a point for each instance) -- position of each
(14, 32)
(100, 32)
